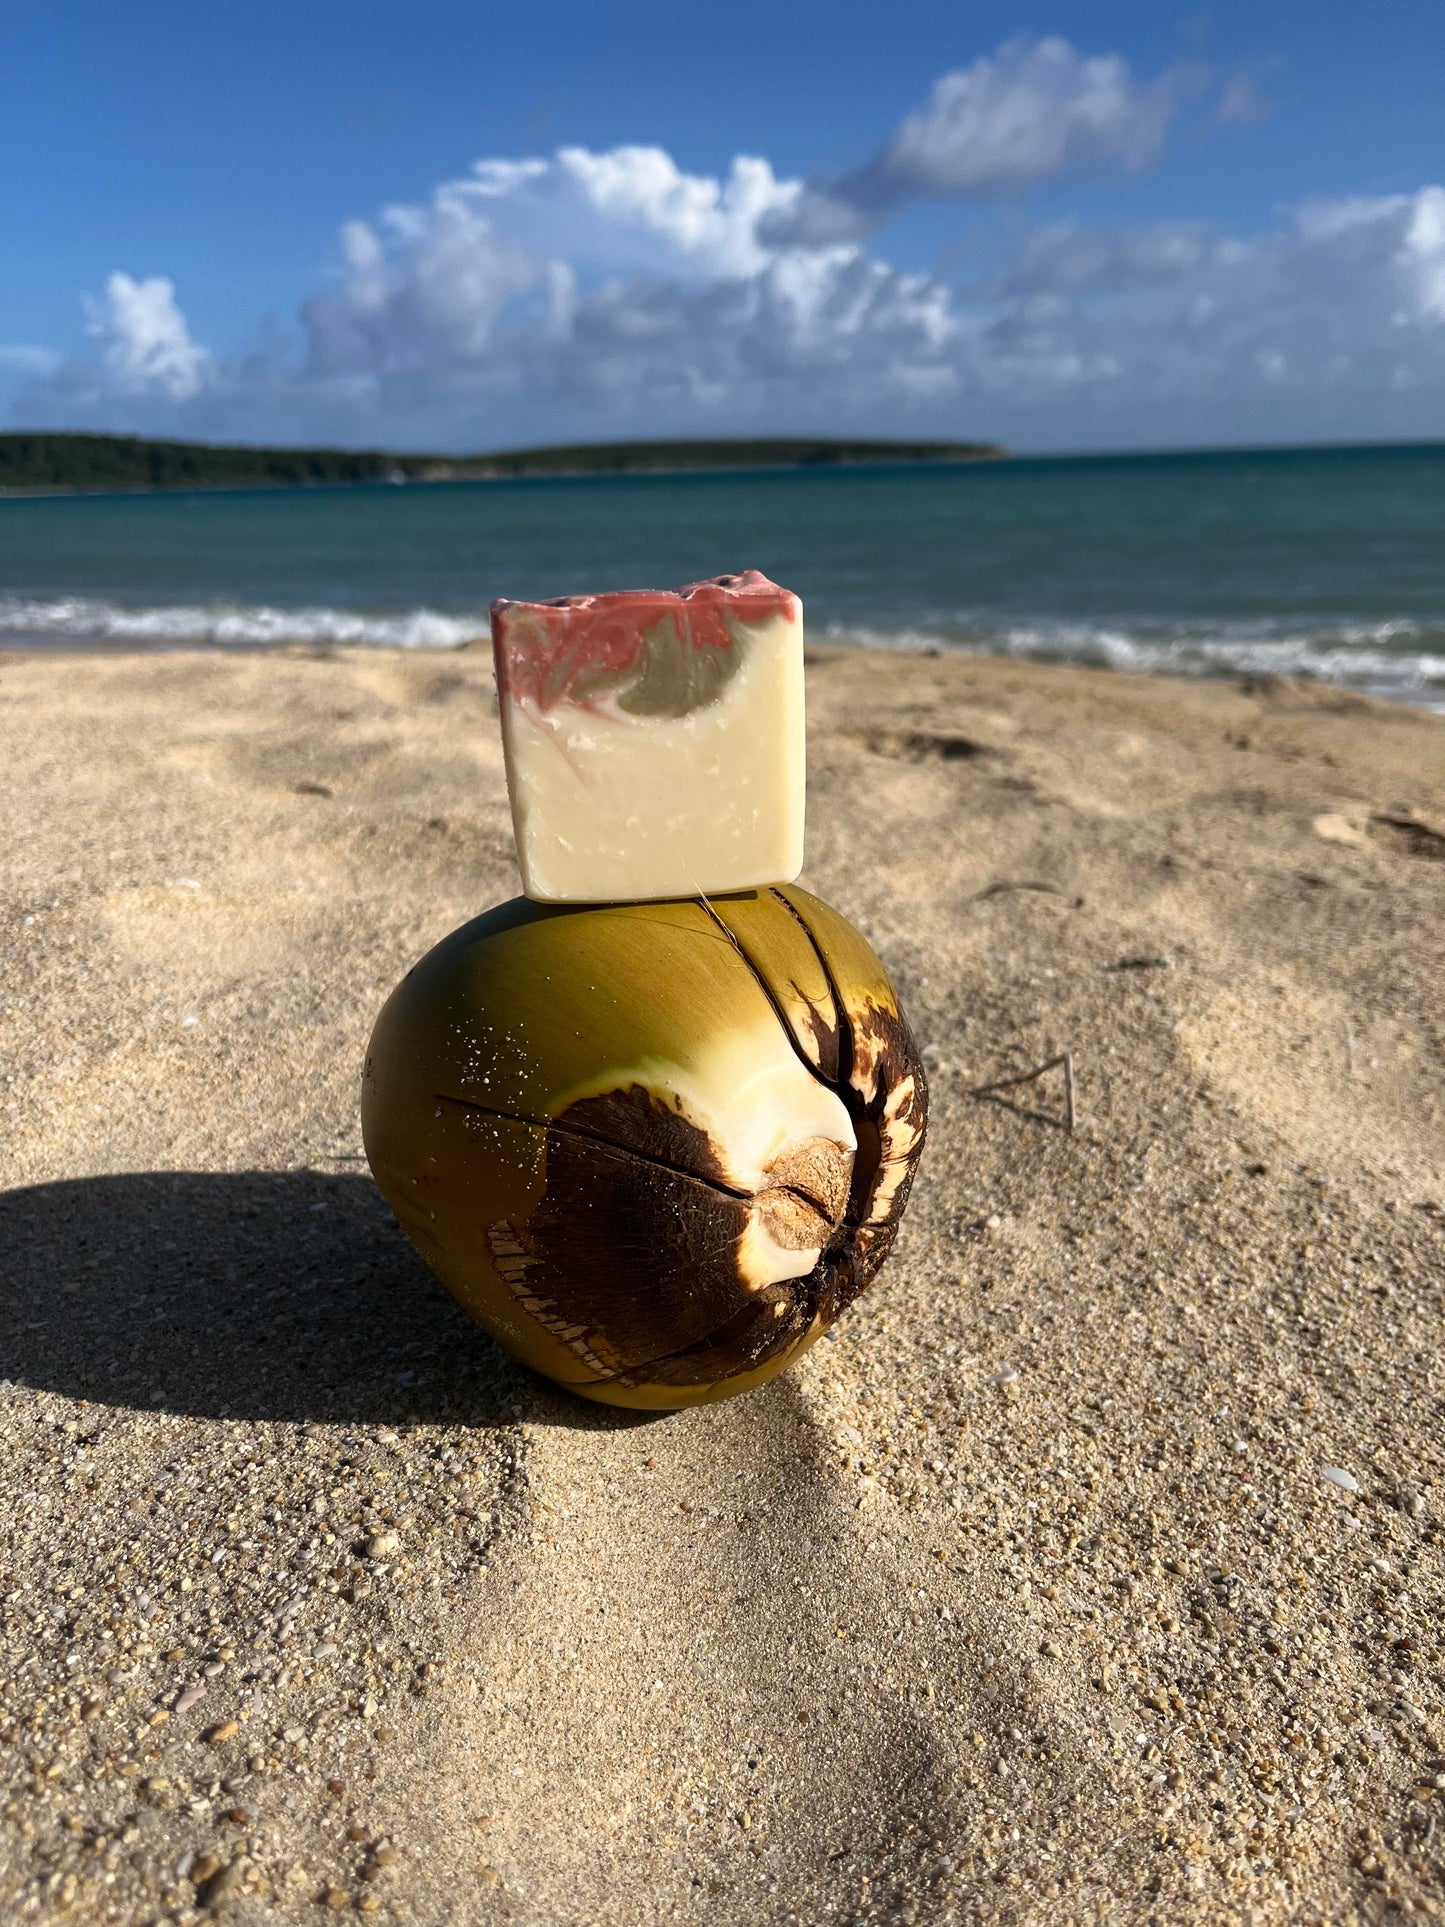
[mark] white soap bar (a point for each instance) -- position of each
(654, 741)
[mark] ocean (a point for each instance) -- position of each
(1327, 563)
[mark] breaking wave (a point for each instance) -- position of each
(228, 625)
(1403, 659)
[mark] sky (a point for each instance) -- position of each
(457, 226)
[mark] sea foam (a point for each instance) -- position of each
(1402, 658)
(229, 625)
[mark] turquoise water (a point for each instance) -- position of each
(1324, 562)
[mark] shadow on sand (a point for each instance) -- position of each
(279, 1295)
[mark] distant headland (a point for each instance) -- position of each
(40, 463)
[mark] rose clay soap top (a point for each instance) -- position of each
(654, 739)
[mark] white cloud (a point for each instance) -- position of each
(570, 273)
(617, 282)
(143, 369)
(601, 294)
(1425, 248)
(145, 345)
(1332, 324)
(689, 221)
(714, 324)
(625, 290)
(1035, 111)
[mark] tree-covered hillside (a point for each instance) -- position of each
(36, 462)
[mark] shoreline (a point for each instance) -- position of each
(1430, 702)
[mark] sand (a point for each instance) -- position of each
(1091, 1570)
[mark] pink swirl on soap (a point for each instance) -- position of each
(648, 651)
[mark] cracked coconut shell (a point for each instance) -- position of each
(654, 1148)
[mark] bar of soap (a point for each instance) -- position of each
(654, 740)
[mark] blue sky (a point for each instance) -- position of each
(463, 226)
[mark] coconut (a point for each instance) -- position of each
(654, 1148)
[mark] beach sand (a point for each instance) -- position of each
(1091, 1570)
